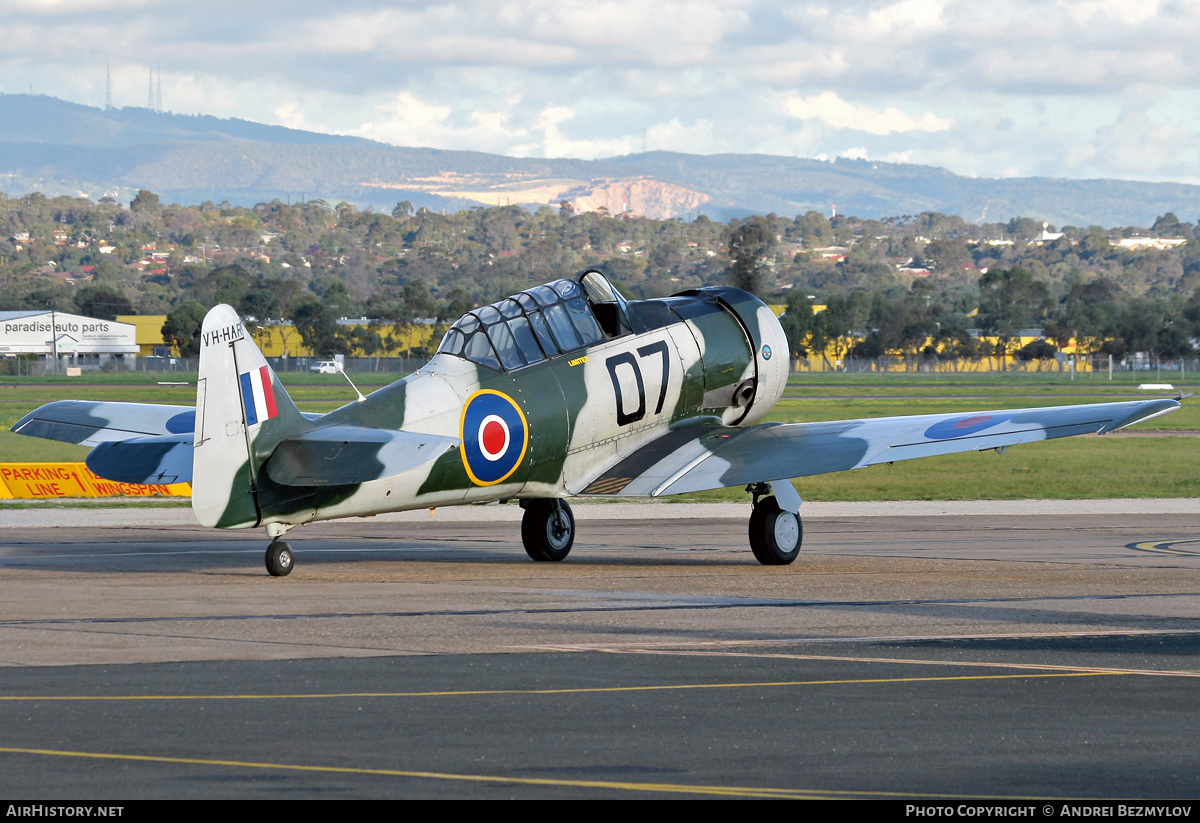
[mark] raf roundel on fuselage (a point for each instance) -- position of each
(495, 436)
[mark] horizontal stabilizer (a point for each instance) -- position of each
(89, 423)
(343, 455)
(154, 460)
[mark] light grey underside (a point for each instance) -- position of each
(722, 457)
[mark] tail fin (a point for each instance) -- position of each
(242, 414)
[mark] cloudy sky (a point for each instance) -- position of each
(1069, 88)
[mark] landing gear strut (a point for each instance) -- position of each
(279, 558)
(547, 529)
(775, 532)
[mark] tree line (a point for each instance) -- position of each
(889, 285)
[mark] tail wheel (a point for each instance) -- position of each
(547, 529)
(775, 534)
(279, 559)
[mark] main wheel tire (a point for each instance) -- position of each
(775, 534)
(279, 559)
(547, 529)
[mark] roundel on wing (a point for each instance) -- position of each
(964, 426)
(494, 437)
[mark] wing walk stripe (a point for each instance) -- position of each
(607, 485)
(649, 455)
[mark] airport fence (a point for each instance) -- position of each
(1084, 366)
(1091, 367)
(35, 367)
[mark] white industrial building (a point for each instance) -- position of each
(70, 338)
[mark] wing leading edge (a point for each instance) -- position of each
(698, 459)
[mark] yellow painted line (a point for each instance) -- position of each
(668, 788)
(900, 638)
(910, 661)
(1164, 547)
(592, 690)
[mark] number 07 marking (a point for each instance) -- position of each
(624, 417)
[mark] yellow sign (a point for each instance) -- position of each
(46, 480)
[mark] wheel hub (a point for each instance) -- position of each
(786, 531)
(558, 528)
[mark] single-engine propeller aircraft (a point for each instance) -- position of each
(562, 390)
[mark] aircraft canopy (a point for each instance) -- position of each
(539, 323)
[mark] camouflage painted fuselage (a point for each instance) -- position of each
(716, 357)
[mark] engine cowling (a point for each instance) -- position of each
(743, 352)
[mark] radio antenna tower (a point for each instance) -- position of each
(150, 94)
(108, 85)
(158, 96)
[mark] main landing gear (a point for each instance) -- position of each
(776, 531)
(547, 529)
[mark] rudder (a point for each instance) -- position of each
(242, 414)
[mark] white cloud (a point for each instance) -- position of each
(495, 122)
(53, 7)
(840, 114)
(667, 32)
(701, 134)
(556, 144)
(530, 32)
(906, 17)
(1135, 143)
(291, 115)
(551, 117)
(407, 121)
(1119, 11)
(983, 88)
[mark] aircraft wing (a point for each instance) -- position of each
(700, 458)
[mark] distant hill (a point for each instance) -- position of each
(57, 147)
(28, 118)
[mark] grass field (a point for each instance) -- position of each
(1116, 465)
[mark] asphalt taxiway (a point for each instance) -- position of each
(930, 651)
